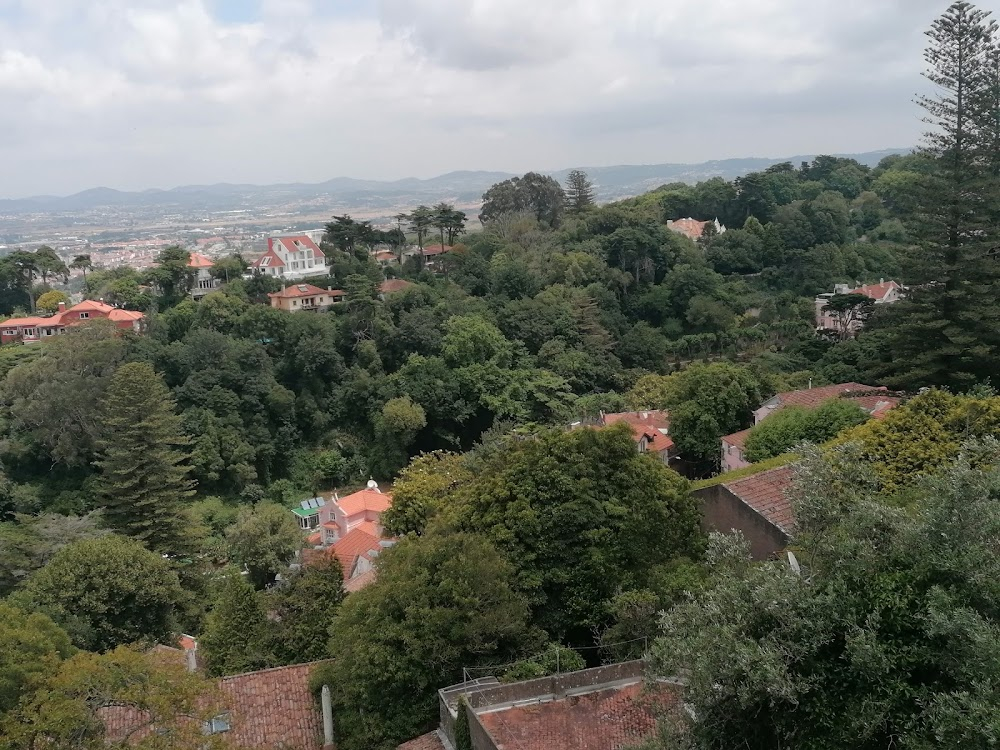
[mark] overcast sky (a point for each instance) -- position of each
(134, 94)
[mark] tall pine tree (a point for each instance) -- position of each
(948, 333)
(144, 474)
(579, 192)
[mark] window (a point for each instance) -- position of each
(309, 522)
(265, 261)
(10, 332)
(29, 333)
(217, 725)
(84, 316)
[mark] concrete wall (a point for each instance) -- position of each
(722, 511)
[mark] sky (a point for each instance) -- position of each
(134, 94)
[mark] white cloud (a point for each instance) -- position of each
(136, 93)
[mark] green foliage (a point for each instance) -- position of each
(554, 659)
(538, 195)
(68, 710)
(440, 603)
(28, 543)
(236, 636)
(887, 636)
(50, 301)
(749, 471)
(31, 647)
(263, 541)
(422, 490)
(144, 477)
(792, 425)
(305, 606)
(463, 736)
(579, 514)
(106, 592)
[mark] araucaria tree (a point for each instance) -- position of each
(949, 332)
(144, 474)
(579, 192)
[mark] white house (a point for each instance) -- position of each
(203, 283)
(291, 257)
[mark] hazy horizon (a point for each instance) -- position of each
(135, 94)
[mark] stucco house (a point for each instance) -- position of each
(35, 328)
(292, 257)
(305, 297)
(203, 282)
(883, 293)
(650, 430)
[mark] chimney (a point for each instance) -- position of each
(328, 743)
(191, 659)
(62, 307)
(881, 281)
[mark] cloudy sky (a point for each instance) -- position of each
(156, 93)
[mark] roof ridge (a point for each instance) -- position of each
(276, 669)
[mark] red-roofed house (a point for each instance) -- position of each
(262, 710)
(357, 551)
(883, 293)
(694, 229)
(203, 282)
(875, 400)
(605, 708)
(300, 297)
(392, 286)
(35, 328)
(650, 429)
(758, 506)
(291, 257)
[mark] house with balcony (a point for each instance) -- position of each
(203, 282)
(306, 297)
(30, 330)
(292, 257)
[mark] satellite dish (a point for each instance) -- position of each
(794, 564)
(373, 485)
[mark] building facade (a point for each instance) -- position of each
(33, 329)
(203, 282)
(306, 297)
(292, 257)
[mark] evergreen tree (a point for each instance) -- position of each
(305, 610)
(234, 639)
(948, 333)
(143, 478)
(579, 192)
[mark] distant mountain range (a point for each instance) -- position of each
(611, 182)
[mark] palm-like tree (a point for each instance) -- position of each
(82, 263)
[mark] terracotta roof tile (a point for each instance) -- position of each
(391, 286)
(646, 424)
(359, 582)
(691, 228)
(767, 493)
(304, 290)
(372, 500)
(303, 243)
(603, 720)
(737, 439)
(198, 260)
(438, 249)
(430, 741)
(877, 291)
(812, 398)
(350, 547)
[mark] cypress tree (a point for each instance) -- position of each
(144, 475)
(234, 638)
(948, 333)
(579, 192)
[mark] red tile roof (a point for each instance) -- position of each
(274, 708)
(297, 291)
(877, 291)
(303, 243)
(349, 548)
(812, 398)
(691, 228)
(430, 741)
(767, 493)
(122, 315)
(437, 249)
(71, 316)
(395, 285)
(359, 582)
(198, 260)
(603, 720)
(274, 260)
(365, 500)
(646, 424)
(737, 439)
(267, 709)
(369, 527)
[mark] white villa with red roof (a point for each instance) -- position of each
(203, 283)
(36, 328)
(650, 430)
(349, 528)
(292, 257)
(882, 293)
(299, 297)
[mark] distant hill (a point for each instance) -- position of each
(466, 186)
